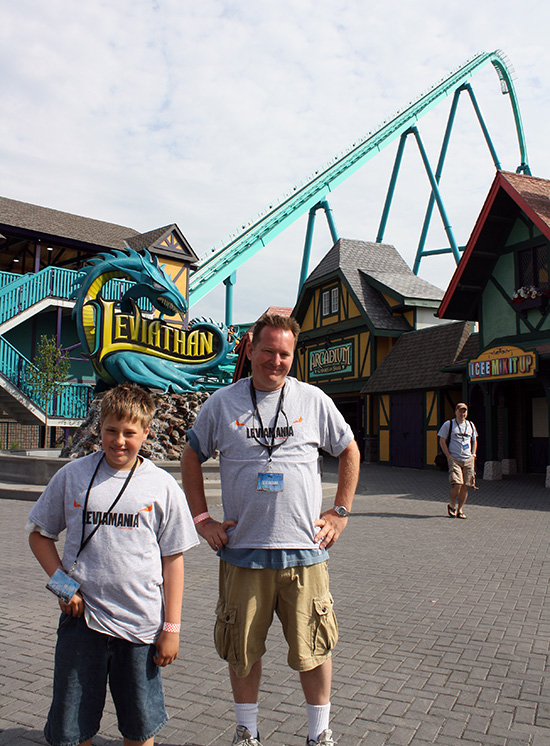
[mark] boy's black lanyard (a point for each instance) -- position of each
(84, 541)
(270, 446)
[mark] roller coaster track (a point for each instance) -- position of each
(223, 261)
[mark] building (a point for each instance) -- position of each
(352, 309)
(415, 388)
(502, 283)
(502, 287)
(41, 252)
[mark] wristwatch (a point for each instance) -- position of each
(342, 512)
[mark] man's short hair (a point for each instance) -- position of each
(128, 402)
(286, 323)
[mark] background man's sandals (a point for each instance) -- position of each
(451, 511)
(460, 514)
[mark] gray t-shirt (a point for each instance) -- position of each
(308, 421)
(120, 568)
(462, 437)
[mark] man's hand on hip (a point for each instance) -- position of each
(331, 526)
(214, 532)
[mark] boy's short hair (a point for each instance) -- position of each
(275, 321)
(128, 402)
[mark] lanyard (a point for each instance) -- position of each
(270, 446)
(462, 434)
(84, 541)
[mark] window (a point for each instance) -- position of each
(532, 264)
(326, 303)
(334, 300)
(330, 301)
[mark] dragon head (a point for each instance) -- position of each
(143, 269)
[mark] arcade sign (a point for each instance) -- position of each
(503, 363)
(334, 360)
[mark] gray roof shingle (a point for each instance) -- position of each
(55, 223)
(371, 268)
(416, 360)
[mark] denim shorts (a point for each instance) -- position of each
(85, 661)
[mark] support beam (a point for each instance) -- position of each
(229, 282)
(322, 205)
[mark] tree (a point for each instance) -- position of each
(49, 372)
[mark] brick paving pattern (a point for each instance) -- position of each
(444, 626)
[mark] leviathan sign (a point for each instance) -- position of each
(124, 343)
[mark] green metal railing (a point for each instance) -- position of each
(25, 292)
(22, 293)
(53, 282)
(71, 403)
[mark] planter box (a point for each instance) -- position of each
(526, 304)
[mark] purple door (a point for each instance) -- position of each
(407, 429)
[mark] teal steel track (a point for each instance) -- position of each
(257, 233)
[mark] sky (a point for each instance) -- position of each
(153, 112)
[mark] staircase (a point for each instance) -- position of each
(22, 297)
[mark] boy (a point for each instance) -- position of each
(127, 525)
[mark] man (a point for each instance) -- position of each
(461, 454)
(273, 541)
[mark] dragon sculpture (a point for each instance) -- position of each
(124, 343)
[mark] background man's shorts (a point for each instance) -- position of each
(462, 472)
(298, 595)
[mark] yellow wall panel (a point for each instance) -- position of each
(308, 322)
(384, 441)
(352, 309)
(383, 346)
(172, 268)
(431, 408)
(432, 446)
(384, 410)
(365, 354)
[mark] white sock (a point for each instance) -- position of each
(246, 714)
(318, 717)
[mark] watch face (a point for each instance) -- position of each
(341, 510)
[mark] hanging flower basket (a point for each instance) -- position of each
(526, 298)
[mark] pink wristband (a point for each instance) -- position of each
(200, 517)
(171, 627)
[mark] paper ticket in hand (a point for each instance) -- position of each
(62, 585)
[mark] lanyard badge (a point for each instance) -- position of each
(269, 481)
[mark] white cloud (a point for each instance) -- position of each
(203, 113)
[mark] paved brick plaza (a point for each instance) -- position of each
(444, 626)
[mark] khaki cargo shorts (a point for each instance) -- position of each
(298, 595)
(462, 472)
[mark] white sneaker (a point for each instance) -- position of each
(243, 737)
(325, 739)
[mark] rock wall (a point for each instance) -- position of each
(174, 416)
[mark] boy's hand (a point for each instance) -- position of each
(75, 607)
(167, 646)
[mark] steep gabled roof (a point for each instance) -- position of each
(372, 269)
(168, 242)
(48, 224)
(510, 194)
(416, 360)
